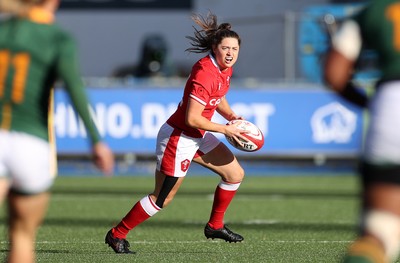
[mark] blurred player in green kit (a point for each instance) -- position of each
(34, 54)
(376, 26)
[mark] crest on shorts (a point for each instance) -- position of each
(185, 165)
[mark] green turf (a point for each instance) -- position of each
(283, 219)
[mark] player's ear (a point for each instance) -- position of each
(214, 49)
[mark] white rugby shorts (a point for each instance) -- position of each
(382, 142)
(175, 150)
(25, 162)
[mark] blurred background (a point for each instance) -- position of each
(133, 60)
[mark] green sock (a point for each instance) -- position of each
(356, 259)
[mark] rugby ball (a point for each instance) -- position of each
(254, 136)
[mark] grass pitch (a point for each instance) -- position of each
(283, 219)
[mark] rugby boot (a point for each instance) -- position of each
(222, 233)
(120, 246)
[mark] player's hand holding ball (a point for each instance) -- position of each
(250, 140)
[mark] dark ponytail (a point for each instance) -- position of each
(210, 35)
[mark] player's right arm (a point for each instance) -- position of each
(340, 61)
(225, 110)
(346, 46)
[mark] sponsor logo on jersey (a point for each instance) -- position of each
(215, 101)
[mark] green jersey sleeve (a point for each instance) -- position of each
(68, 70)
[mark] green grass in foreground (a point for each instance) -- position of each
(283, 219)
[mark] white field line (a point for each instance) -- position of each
(194, 242)
(248, 222)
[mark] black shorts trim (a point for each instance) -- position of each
(21, 193)
(380, 82)
(372, 173)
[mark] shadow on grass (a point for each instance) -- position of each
(171, 224)
(191, 192)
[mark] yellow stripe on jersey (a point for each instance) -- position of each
(6, 121)
(52, 137)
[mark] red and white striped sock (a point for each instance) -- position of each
(141, 211)
(223, 196)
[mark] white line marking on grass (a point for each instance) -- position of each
(272, 222)
(261, 222)
(192, 242)
(244, 197)
(263, 241)
(267, 222)
(306, 241)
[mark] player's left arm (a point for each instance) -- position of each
(68, 70)
(52, 136)
(340, 61)
(195, 119)
(225, 110)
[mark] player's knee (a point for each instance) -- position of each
(239, 171)
(236, 176)
(384, 226)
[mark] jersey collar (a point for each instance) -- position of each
(40, 15)
(214, 61)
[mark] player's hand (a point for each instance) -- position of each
(236, 117)
(103, 158)
(235, 132)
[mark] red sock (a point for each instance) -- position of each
(222, 198)
(141, 211)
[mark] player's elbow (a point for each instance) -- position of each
(337, 71)
(192, 122)
(333, 82)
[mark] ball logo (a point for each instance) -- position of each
(257, 136)
(248, 147)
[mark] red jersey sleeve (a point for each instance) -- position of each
(201, 86)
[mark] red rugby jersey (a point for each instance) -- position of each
(207, 85)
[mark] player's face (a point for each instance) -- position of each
(226, 52)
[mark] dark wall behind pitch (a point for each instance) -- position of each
(109, 38)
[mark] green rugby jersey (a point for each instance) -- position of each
(380, 29)
(34, 54)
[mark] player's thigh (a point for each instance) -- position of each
(27, 211)
(223, 162)
(4, 186)
(29, 164)
(5, 145)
